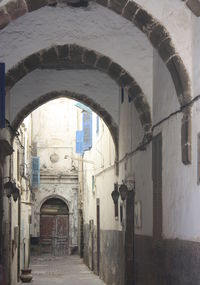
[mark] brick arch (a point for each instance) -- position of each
(107, 118)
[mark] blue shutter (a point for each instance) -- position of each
(87, 131)
(79, 142)
(2, 95)
(35, 171)
(97, 125)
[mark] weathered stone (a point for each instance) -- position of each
(139, 103)
(18, 72)
(134, 90)
(118, 5)
(4, 19)
(144, 21)
(158, 34)
(16, 9)
(186, 136)
(103, 2)
(166, 49)
(130, 10)
(115, 70)
(90, 57)
(63, 51)
(10, 81)
(32, 62)
(145, 118)
(103, 63)
(76, 54)
(125, 79)
(194, 6)
(48, 55)
(35, 4)
(180, 79)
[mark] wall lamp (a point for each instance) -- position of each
(122, 190)
(11, 189)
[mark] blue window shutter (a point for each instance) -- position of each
(79, 142)
(35, 171)
(2, 95)
(97, 125)
(87, 131)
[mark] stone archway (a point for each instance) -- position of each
(107, 118)
(77, 57)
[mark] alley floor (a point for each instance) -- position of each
(68, 270)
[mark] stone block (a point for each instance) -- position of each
(130, 10)
(48, 55)
(90, 57)
(125, 79)
(76, 54)
(166, 49)
(32, 62)
(103, 63)
(35, 4)
(118, 5)
(157, 35)
(63, 51)
(144, 21)
(134, 90)
(115, 71)
(18, 72)
(180, 79)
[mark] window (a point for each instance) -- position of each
(122, 95)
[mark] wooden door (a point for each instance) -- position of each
(60, 236)
(54, 234)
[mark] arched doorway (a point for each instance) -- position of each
(54, 227)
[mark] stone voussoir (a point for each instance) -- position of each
(117, 5)
(130, 10)
(103, 63)
(158, 35)
(134, 90)
(114, 71)
(76, 54)
(18, 72)
(63, 51)
(32, 62)
(125, 79)
(90, 57)
(48, 55)
(166, 50)
(180, 78)
(144, 21)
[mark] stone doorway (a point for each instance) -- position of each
(54, 227)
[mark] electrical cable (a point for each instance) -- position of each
(142, 145)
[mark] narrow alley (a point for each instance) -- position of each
(65, 270)
(100, 142)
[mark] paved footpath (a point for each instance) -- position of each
(69, 270)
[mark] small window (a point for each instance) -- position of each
(93, 183)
